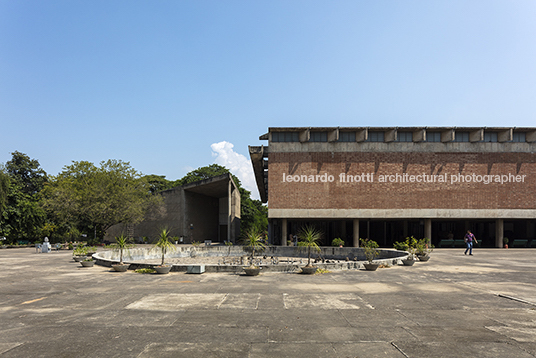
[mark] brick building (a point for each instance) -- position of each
(388, 183)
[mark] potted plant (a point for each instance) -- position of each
(122, 244)
(401, 246)
(308, 237)
(410, 246)
(91, 250)
(337, 242)
(164, 244)
(87, 262)
(80, 253)
(253, 241)
(505, 242)
(424, 249)
(370, 247)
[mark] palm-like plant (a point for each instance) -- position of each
(309, 237)
(371, 249)
(253, 240)
(122, 243)
(164, 243)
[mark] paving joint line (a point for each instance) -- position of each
(516, 299)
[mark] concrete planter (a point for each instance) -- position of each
(79, 258)
(120, 268)
(87, 263)
(308, 270)
(163, 269)
(251, 271)
(409, 262)
(424, 257)
(371, 266)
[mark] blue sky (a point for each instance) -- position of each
(170, 86)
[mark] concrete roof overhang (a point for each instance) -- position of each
(217, 187)
(431, 128)
(257, 155)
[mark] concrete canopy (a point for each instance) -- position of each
(216, 187)
(208, 209)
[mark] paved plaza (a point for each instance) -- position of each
(452, 306)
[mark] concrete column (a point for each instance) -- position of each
(499, 232)
(356, 233)
(428, 230)
(284, 232)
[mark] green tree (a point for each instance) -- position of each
(21, 216)
(158, 183)
(100, 197)
(26, 172)
(203, 173)
(4, 189)
(254, 215)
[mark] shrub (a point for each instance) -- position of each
(337, 242)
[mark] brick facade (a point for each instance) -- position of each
(517, 192)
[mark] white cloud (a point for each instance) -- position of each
(237, 163)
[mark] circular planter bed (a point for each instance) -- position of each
(371, 266)
(120, 268)
(87, 263)
(163, 269)
(251, 271)
(308, 270)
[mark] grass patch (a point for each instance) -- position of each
(321, 271)
(145, 270)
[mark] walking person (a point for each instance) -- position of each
(469, 240)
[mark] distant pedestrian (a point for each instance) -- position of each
(469, 239)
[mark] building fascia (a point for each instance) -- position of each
(401, 213)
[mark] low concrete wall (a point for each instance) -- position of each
(335, 258)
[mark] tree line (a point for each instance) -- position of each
(85, 200)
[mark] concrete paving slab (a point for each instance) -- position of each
(321, 301)
(462, 349)
(196, 350)
(178, 301)
(338, 350)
